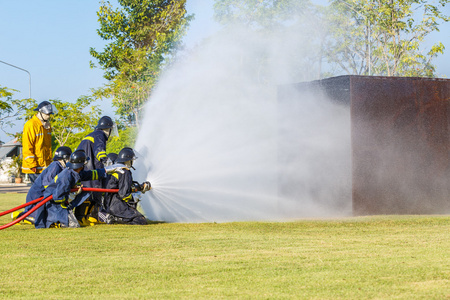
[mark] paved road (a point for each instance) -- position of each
(14, 188)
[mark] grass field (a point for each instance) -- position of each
(383, 257)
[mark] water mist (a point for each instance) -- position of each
(214, 137)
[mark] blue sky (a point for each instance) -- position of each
(51, 40)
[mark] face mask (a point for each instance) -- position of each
(45, 117)
(63, 162)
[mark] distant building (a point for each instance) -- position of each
(7, 151)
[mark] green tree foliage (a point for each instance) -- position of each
(384, 37)
(127, 138)
(71, 122)
(10, 109)
(142, 35)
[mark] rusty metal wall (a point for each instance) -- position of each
(400, 140)
(400, 145)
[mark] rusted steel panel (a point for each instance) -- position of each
(400, 140)
(400, 145)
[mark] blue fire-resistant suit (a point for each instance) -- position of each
(94, 144)
(40, 184)
(56, 210)
(121, 204)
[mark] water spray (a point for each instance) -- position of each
(210, 139)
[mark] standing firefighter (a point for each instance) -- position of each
(37, 141)
(61, 157)
(121, 206)
(94, 144)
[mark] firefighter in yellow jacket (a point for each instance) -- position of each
(37, 141)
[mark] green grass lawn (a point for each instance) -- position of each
(382, 257)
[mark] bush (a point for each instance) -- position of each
(15, 168)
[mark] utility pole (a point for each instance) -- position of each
(29, 75)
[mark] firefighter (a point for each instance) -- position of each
(58, 211)
(61, 157)
(102, 214)
(121, 206)
(94, 144)
(37, 141)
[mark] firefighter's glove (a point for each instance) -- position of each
(73, 195)
(116, 168)
(146, 186)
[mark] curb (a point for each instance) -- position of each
(15, 184)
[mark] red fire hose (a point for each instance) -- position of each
(43, 202)
(27, 213)
(87, 189)
(21, 206)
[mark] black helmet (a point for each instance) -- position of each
(125, 154)
(112, 157)
(46, 107)
(105, 122)
(62, 152)
(77, 160)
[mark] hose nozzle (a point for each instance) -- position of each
(146, 186)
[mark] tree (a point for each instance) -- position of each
(127, 138)
(143, 34)
(10, 109)
(257, 13)
(71, 122)
(282, 37)
(379, 37)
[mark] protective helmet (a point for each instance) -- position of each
(105, 122)
(77, 160)
(126, 154)
(62, 152)
(112, 157)
(47, 108)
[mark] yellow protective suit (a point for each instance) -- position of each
(36, 146)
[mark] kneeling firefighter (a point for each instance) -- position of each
(121, 206)
(59, 211)
(61, 157)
